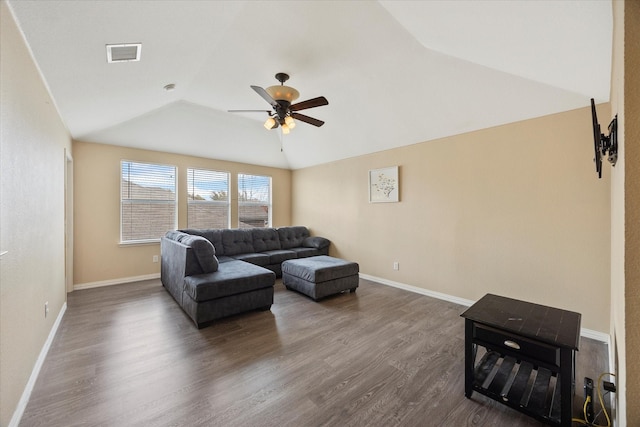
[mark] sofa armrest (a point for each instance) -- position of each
(316, 242)
(173, 266)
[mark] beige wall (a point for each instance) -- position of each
(515, 210)
(632, 208)
(625, 212)
(31, 214)
(98, 256)
(617, 352)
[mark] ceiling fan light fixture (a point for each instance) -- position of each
(283, 93)
(285, 129)
(270, 123)
(289, 122)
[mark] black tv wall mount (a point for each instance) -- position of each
(604, 145)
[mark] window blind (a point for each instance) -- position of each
(147, 201)
(254, 201)
(208, 199)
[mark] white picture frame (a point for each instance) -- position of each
(384, 186)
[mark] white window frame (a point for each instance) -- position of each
(192, 183)
(128, 201)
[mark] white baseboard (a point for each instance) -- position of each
(26, 394)
(417, 290)
(587, 333)
(119, 281)
(595, 335)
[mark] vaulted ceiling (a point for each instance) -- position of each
(395, 72)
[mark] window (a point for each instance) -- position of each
(207, 199)
(147, 201)
(254, 201)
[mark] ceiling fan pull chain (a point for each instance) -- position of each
(281, 141)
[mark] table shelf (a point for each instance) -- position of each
(529, 389)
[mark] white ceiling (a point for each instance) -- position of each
(395, 72)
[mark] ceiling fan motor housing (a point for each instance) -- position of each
(282, 110)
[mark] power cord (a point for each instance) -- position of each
(587, 402)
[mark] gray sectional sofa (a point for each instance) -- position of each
(216, 273)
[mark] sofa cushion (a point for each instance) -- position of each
(233, 277)
(213, 235)
(265, 239)
(237, 241)
(307, 252)
(292, 237)
(204, 252)
(260, 259)
(278, 256)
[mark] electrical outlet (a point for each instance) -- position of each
(588, 397)
(46, 309)
(155, 258)
(396, 265)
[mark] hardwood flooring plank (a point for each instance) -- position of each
(127, 355)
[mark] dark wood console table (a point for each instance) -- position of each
(528, 356)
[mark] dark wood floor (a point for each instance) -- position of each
(127, 355)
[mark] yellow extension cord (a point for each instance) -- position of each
(601, 399)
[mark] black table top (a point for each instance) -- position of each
(546, 324)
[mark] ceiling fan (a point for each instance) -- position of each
(284, 112)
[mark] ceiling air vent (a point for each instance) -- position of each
(123, 52)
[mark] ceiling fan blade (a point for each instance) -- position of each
(307, 119)
(310, 103)
(263, 93)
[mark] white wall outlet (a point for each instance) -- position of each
(155, 258)
(46, 309)
(396, 265)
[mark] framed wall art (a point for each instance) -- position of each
(384, 186)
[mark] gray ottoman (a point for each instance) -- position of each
(320, 276)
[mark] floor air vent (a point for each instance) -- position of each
(123, 52)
